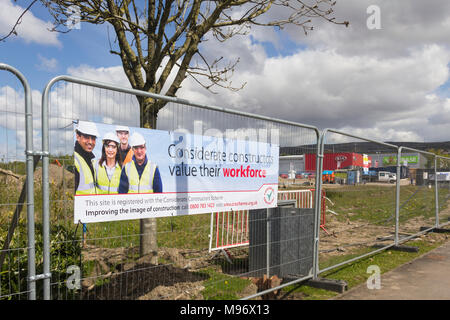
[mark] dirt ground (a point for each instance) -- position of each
(176, 277)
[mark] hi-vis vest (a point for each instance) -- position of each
(128, 157)
(86, 184)
(104, 185)
(145, 183)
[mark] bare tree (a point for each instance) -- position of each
(167, 34)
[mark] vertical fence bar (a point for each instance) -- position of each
(268, 230)
(29, 180)
(45, 191)
(397, 197)
(436, 193)
(317, 200)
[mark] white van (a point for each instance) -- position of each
(385, 176)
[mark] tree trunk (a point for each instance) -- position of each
(148, 227)
(148, 240)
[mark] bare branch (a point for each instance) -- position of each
(162, 37)
(19, 21)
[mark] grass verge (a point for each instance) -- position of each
(356, 273)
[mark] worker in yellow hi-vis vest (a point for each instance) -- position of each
(140, 175)
(86, 135)
(109, 167)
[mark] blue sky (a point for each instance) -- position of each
(389, 84)
(88, 45)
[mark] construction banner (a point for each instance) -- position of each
(133, 173)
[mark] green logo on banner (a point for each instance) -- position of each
(392, 160)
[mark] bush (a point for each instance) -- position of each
(65, 250)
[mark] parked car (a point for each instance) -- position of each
(385, 176)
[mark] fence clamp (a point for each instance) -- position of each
(40, 277)
(37, 153)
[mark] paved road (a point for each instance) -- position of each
(425, 278)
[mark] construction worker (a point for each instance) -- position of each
(140, 175)
(123, 133)
(109, 167)
(86, 135)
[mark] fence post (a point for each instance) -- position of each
(318, 199)
(45, 190)
(397, 197)
(436, 193)
(30, 178)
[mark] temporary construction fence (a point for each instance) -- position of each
(104, 261)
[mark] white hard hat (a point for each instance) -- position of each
(122, 128)
(111, 136)
(88, 128)
(137, 139)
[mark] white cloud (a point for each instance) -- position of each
(30, 29)
(385, 83)
(49, 65)
(113, 75)
(328, 89)
(381, 84)
(405, 25)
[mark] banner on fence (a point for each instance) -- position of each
(165, 173)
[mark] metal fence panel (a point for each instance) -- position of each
(443, 181)
(417, 203)
(102, 260)
(360, 198)
(17, 253)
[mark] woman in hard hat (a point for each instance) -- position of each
(109, 167)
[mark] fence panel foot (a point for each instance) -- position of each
(339, 286)
(436, 230)
(399, 248)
